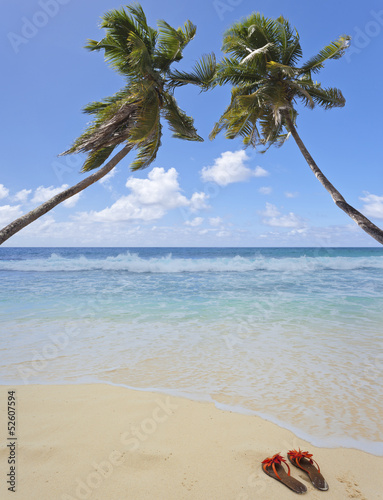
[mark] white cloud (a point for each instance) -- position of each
(223, 234)
(109, 176)
(273, 217)
(265, 190)
(22, 195)
(230, 167)
(198, 202)
(72, 201)
(215, 221)
(288, 194)
(270, 210)
(4, 192)
(327, 236)
(260, 172)
(150, 199)
(197, 221)
(9, 213)
(373, 205)
(43, 194)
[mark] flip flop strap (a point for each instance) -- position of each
(298, 459)
(275, 470)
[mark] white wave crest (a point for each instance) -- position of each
(132, 262)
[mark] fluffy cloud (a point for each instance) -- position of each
(72, 201)
(4, 192)
(22, 195)
(265, 190)
(198, 201)
(373, 205)
(150, 199)
(109, 176)
(197, 221)
(291, 195)
(9, 213)
(43, 194)
(273, 217)
(215, 221)
(230, 167)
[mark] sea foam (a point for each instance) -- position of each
(133, 263)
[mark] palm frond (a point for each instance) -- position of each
(180, 124)
(150, 34)
(139, 58)
(147, 150)
(290, 48)
(283, 69)
(188, 32)
(255, 53)
(110, 128)
(146, 119)
(143, 56)
(203, 74)
(326, 98)
(229, 70)
(116, 53)
(334, 50)
(170, 43)
(96, 107)
(301, 92)
(96, 158)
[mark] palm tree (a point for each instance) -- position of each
(132, 116)
(261, 64)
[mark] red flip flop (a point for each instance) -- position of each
(303, 460)
(273, 468)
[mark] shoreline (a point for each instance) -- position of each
(105, 441)
(318, 442)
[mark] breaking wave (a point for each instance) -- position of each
(133, 263)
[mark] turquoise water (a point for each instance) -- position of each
(293, 335)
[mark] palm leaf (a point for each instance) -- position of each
(203, 74)
(143, 55)
(170, 43)
(180, 124)
(334, 50)
(290, 48)
(97, 158)
(146, 119)
(229, 70)
(139, 59)
(254, 54)
(283, 69)
(188, 31)
(326, 98)
(148, 150)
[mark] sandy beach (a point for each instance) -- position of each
(105, 442)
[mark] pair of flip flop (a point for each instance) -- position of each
(303, 460)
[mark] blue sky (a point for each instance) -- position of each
(195, 194)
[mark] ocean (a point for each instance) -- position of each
(294, 335)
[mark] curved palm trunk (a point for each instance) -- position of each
(359, 218)
(18, 224)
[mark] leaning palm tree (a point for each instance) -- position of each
(261, 64)
(132, 116)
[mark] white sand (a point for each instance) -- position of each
(109, 443)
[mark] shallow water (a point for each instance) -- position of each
(294, 335)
